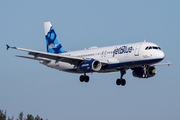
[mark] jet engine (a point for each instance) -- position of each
(139, 72)
(89, 66)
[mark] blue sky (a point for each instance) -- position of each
(26, 85)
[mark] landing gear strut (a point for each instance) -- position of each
(121, 81)
(84, 78)
(145, 71)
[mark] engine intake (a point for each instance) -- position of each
(151, 71)
(91, 65)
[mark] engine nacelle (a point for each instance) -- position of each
(139, 72)
(91, 65)
(151, 71)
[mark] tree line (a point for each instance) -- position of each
(20, 117)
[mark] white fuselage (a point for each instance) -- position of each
(117, 57)
(141, 58)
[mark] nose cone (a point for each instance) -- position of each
(160, 54)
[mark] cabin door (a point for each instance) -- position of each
(137, 48)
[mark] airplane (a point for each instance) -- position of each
(141, 58)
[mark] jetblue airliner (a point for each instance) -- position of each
(140, 57)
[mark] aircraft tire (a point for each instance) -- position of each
(118, 82)
(123, 82)
(86, 79)
(82, 78)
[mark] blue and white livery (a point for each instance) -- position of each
(52, 43)
(140, 57)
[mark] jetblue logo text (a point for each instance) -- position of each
(121, 50)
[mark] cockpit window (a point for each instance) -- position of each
(155, 47)
(152, 47)
(146, 48)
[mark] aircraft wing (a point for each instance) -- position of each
(159, 64)
(51, 56)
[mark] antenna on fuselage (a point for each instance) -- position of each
(144, 40)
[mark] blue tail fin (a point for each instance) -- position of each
(52, 43)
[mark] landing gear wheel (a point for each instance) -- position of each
(118, 82)
(86, 79)
(82, 78)
(123, 82)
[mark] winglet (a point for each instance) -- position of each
(170, 63)
(7, 46)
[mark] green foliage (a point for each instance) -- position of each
(29, 117)
(2, 115)
(38, 118)
(10, 118)
(20, 117)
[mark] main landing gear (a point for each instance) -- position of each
(84, 78)
(121, 81)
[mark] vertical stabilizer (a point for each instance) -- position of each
(52, 43)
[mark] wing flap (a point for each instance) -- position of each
(40, 59)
